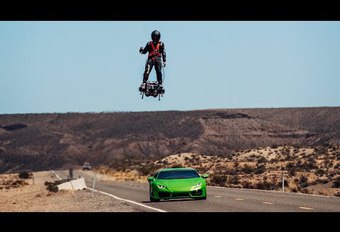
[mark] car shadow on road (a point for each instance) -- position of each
(169, 201)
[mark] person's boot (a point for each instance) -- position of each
(142, 87)
(160, 86)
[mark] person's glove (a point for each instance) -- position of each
(164, 64)
(141, 49)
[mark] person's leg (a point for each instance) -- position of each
(148, 68)
(158, 67)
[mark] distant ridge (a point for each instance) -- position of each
(42, 141)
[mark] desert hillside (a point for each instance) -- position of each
(36, 142)
(305, 169)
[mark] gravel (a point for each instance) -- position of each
(35, 198)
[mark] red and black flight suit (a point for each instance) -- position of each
(156, 53)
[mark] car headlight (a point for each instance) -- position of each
(196, 186)
(161, 186)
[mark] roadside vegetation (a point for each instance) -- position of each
(304, 169)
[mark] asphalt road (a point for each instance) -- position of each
(218, 199)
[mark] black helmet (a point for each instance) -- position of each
(155, 36)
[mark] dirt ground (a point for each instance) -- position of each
(31, 195)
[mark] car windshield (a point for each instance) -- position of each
(178, 174)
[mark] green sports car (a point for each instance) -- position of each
(169, 183)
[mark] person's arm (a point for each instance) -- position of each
(163, 54)
(145, 49)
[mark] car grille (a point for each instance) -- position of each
(163, 194)
(180, 194)
(179, 188)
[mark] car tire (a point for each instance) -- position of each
(152, 199)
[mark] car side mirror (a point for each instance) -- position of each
(150, 178)
(205, 176)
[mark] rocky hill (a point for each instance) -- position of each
(44, 141)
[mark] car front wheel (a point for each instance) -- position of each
(152, 199)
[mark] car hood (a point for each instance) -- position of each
(180, 184)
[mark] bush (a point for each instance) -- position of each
(177, 166)
(320, 172)
(247, 184)
(304, 190)
(147, 169)
(261, 160)
(247, 169)
(265, 185)
(24, 175)
(292, 172)
(307, 166)
(322, 181)
(291, 168)
(337, 166)
(336, 183)
(219, 180)
(303, 181)
(260, 169)
(274, 160)
(234, 180)
(290, 165)
(53, 186)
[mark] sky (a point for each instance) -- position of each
(95, 66)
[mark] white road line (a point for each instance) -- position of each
(239, 199)
(56, 175)
(306, 208)
(218, 196)
(268, 191)
(122, 199)
(268, 203)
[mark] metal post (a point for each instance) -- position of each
(71, 173)
(283, 182)
(94, 183)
